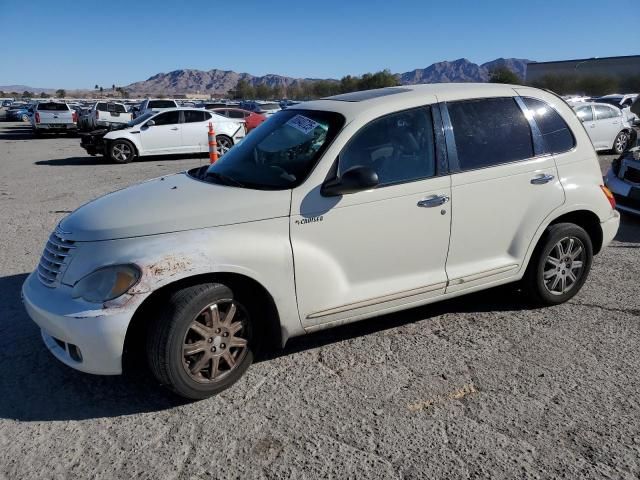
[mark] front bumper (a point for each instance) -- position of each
(627, 195)
(65, 322)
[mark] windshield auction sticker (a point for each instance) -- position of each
(304, 124)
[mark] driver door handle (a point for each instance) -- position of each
(542, 179)
(433, 201)
(174, 128)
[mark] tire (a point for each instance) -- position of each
(224, 144)
(567, 244)
(204, 368)
(621, 143)
(122, 151)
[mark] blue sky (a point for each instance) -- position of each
(76, 44)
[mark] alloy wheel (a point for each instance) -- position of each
(216, 342)
(564, 266)
(224, 145)
(621, 142)
(121, 152)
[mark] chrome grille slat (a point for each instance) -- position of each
(54, 260)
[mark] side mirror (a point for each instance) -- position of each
(356, 179)
(150, 123)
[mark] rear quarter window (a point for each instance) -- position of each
(490, 131)
(556, 134)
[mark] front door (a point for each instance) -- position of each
(373, 251)
(165, 136)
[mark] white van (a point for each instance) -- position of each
(332, 211)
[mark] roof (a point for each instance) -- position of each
(407, 96)
(623, 57)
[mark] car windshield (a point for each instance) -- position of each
(141, 119)
(280, 153)
(269, 106)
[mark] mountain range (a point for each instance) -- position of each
(219, 82)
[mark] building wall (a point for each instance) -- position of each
(611, 66)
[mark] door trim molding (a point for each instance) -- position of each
(378, 300)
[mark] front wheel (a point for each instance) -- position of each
(621, 143)
(121, 151)
(560, 265)
(202, 342)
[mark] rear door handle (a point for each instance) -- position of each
(433, 201)
(542, 179)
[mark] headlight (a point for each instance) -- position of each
(106, 283)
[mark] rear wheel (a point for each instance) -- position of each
(203, 342)
(560, 265)
(224, 144)
(121, 151)
(621, 143)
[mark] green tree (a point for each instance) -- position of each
(43, 95)
(113, 87)
(96, 87)
(243, 90)
(27, 94)
(101, 90)
(61, 93)
(348, 84)
(263, 91)
(2, 94)
(504, 75)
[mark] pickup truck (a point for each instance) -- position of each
(155, 105)
(53, 117)
(106, 114)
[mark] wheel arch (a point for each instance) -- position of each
(247, 287)
(126, 139)
(587, 220)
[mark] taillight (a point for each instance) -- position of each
(37, 117)
(74, 116)
(609, 195)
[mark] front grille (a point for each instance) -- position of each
(55, 258)
(632, 175)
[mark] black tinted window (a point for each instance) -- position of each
(167, 118)
(191, 116)
(556, 135)
(489, 132)
(52, 107)
(400, 147)
(235, 114)
(161, 104)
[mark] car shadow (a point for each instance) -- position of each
(102, 160)
(34, 386)
(25, 132)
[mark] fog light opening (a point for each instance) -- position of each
(74, 352)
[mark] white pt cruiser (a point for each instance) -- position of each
(332, 211)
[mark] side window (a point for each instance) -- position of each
(585, 114)
(556, 135)
(191, 116)
(101, 107)
(167, 118)
(489, 132)
(235, 113)
(400, 147)
(604, 112)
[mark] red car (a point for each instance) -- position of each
(251, 119)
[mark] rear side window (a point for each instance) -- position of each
(604, 112)
(399, 147)
(585, 114)
(52, 107)
(191, 116)
(235, 114)
(489, 132)
(161, 104)
(556, 135)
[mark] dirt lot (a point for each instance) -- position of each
(473, 388)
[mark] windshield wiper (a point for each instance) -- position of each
(225, 179)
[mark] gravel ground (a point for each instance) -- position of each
(473, 388)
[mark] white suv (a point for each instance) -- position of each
(333, 211)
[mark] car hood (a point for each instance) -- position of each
(170, 204)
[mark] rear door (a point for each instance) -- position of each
(585, 114)
(165, 136)
(195, 130)
(608, 123)
(502, 188)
